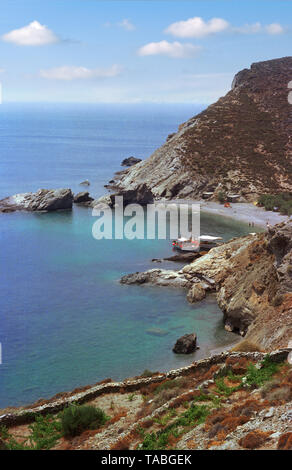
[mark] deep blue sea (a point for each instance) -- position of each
(65, 321)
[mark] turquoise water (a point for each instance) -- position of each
(65, 319)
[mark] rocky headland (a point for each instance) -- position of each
(239, 145)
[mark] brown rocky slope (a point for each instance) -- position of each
(241, 144)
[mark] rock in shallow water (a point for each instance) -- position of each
(196, 293)
(82, 197)
(186, 344)
(42, 200)
(130, 161)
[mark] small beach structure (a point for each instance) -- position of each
(233, 197)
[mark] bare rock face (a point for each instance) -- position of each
(42, 200)
(187, 344)
(280, 244)
(241, 144)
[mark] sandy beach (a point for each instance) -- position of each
(244, 212)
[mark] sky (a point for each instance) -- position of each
(115, 51)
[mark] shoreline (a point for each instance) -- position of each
(240, 211)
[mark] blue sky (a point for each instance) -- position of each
(135, 51)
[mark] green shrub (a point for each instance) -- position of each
(76, 419)
(221, 197)
(147, 373)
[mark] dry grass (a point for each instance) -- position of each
(246, 346)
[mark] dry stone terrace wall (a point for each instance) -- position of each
(28, 415)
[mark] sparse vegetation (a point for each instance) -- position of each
(194, 416)
(44, 434)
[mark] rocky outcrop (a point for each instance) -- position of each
(85, 183)
(187, 344)
(82, 197)
(158, 277)
(42, 200)
(280, 244)
(141, 195)
(130, 161)
(239, 145)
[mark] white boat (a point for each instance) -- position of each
(204, 242)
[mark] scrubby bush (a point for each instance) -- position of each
(281, 202)
(221, 197)
(76, 419)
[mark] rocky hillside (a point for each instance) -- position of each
(229, 401)
(241, 144)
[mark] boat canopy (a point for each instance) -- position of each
(209, 238)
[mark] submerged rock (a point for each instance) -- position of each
(186, 344)
(131, 161)
(42, 200)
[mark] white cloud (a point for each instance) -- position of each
(126, 24)
(196, 27)
(273, 28)
(34, 34)
(248, 28)
(175, 49)
(68, 72)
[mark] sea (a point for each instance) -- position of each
(65, 320)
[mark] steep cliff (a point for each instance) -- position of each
(241, 144)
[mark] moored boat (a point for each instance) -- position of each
(204, 242)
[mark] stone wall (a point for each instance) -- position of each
(28, 415)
